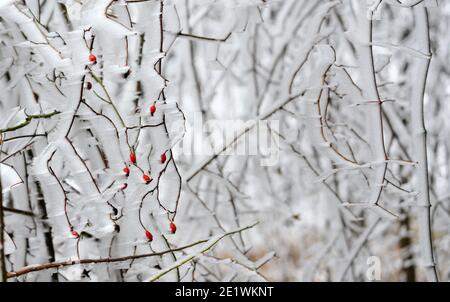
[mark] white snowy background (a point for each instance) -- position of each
(359, 92)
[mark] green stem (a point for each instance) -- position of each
(28, 121)
(109, 101)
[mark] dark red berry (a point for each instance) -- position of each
(173, 228)
(147, 179)
(92, 58)
(75, 234)
(89, 85)
(126, 170)
(163, 158)
(149, 235)
(152, 109)
(133, 157)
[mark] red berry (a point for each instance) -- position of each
(92, 58)
(146, 178)
(152, 109)
(75, 234)
(133, 157)
(126, 170)
(173, 228)
(124, 186)
(149, 235)
(163, 157)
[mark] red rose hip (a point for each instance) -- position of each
(147, 179)
(173, 228)
(133, 157)
(163, 157)
(149, 235)
(92, 58)
(152, 109)
(126, 170)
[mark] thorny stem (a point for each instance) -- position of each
(53, 265)
(420, 144)
(375, 112)
(3, 275)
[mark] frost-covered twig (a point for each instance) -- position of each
(208, 245)
(61, 264)
(420, 143)
(28, 120)
(374, 112)
(2, 232)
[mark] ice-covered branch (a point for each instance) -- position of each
(419, 143)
